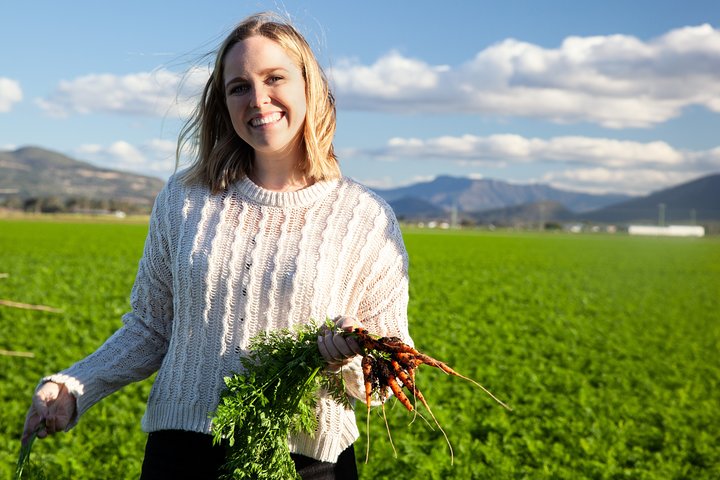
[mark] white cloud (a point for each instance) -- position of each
(161, 147)
(388, 182)
(511, 148)
(616, 81)
(393, 77)
(705, 159)
(608, 152)
(10, 94)
(119, 155)
(379, 182)
(157, 93)
(630, 181)
(162, 152)
(126, 153)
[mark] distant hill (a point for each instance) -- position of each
(33, 172)
(416, 209)
(697, 200)
(501, 203)
(526, 214)
(468, 195)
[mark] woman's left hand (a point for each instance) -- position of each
(338, 349)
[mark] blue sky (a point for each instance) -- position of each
(611, 96)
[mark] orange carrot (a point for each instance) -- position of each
(395, 345)
(391, 381)
(367, 368)
(427, 360)
(404, 377)
(407, 360)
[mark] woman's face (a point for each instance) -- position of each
(265, 96)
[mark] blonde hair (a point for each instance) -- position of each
(222, 157)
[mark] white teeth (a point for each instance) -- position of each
(272, 118)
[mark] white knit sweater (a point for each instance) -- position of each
(218, 269)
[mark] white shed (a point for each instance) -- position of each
(668, 231)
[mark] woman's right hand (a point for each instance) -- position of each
(52, 403)
(336, 348)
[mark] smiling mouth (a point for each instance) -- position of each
(266, 120)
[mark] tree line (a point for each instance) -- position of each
(73, 204)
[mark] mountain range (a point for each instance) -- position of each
(495, 201)
(34, 172)
(40, 173)
(475, 195)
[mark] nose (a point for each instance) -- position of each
(259, 95)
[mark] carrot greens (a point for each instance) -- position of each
(274, 395)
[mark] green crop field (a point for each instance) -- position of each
(607, 348)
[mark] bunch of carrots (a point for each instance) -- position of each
(389, 365)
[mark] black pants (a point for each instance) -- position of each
(178, 455)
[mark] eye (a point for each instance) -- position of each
(238, 89)
(274, 79)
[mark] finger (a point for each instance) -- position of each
(332, 348)
(53, 421)
(323, 329)
(49, 425)
(40, 405)
(37, 415)
(32, 421)
(323, 349)
(43, 402)
(65, 406)
(342, 320)
(354, 345)
(348, 323)
(342, 345)
(63, 418)
(56, 419)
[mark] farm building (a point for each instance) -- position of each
(668, 231)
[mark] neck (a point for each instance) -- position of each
(278, 171)
(270, 177)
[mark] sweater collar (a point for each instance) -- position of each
(298, 198)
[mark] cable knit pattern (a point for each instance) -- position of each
(218, 269)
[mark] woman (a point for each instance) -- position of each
(261, 232)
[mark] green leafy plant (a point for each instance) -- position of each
(275, 395)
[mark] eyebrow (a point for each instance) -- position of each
(262, 73)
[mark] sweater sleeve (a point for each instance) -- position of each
(383, 306)
(135, 351)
